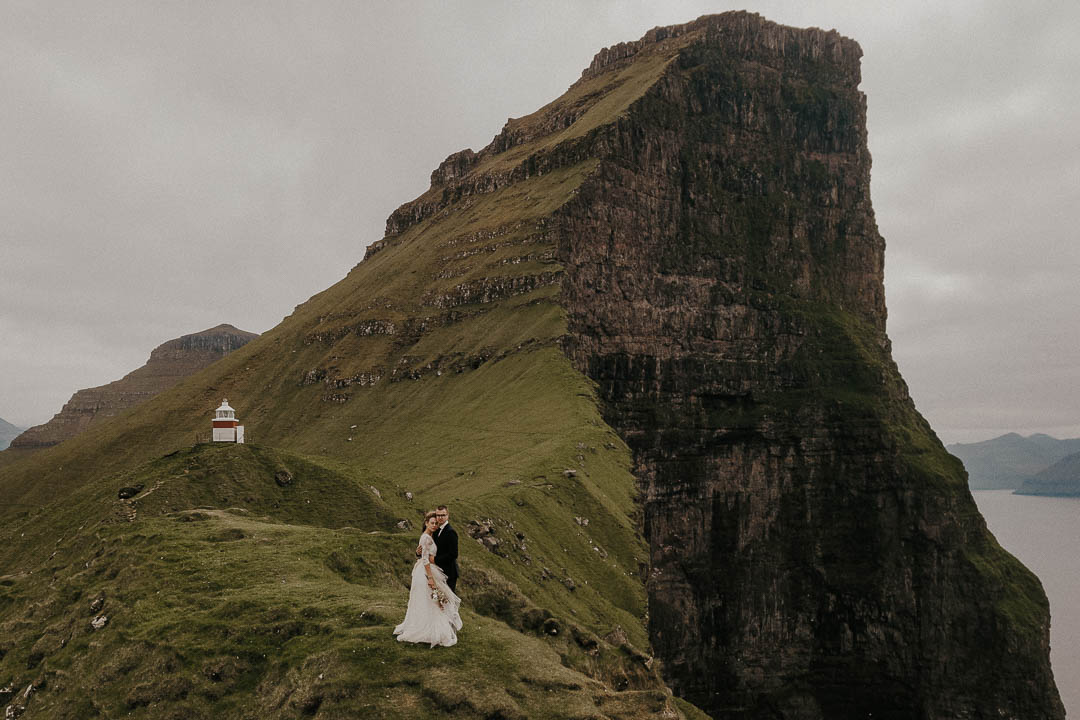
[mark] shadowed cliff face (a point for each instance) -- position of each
(169, 363)
(814, 550)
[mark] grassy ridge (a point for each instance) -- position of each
(264, 580)
(225, 612)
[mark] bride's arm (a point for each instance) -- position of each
(429, 558)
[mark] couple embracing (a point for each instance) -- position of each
(433, 614)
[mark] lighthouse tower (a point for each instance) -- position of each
(226, 426)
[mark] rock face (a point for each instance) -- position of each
(815, 551)
(169, 363)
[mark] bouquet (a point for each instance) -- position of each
(440, 597)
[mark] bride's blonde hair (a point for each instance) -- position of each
(427, 516)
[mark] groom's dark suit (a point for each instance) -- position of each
(446, 554)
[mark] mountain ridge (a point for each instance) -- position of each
(1007, 461)
(1062, 479)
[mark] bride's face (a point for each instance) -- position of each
(432, 524)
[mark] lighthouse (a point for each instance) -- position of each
(226, 426)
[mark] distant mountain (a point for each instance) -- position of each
(1061, 479)
(1055, 446)
(169, 363)
(8, 432)
(1005, 462)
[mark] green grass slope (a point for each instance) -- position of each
(264, 580)
(246, 582)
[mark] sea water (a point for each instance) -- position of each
(1044, 534)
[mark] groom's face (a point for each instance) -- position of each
(442, 516)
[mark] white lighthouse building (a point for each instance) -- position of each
(226, 426)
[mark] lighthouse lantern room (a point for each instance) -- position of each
(226, 426)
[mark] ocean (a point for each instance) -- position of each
(1044, 534)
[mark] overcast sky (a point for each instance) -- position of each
(168, 166)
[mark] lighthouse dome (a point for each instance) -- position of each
(225, 411)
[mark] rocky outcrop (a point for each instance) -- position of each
(169, 363)
(815, 552)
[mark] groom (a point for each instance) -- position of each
(446, 542)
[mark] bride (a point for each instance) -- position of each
(432, 616)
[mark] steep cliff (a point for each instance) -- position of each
(169, 363)
(815, 552)
(637, 343)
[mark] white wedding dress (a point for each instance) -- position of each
(425, 621)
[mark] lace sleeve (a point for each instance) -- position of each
(427, 545)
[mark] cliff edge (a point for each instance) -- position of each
(815, 551)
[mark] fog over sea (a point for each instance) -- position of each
(1044, 534)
